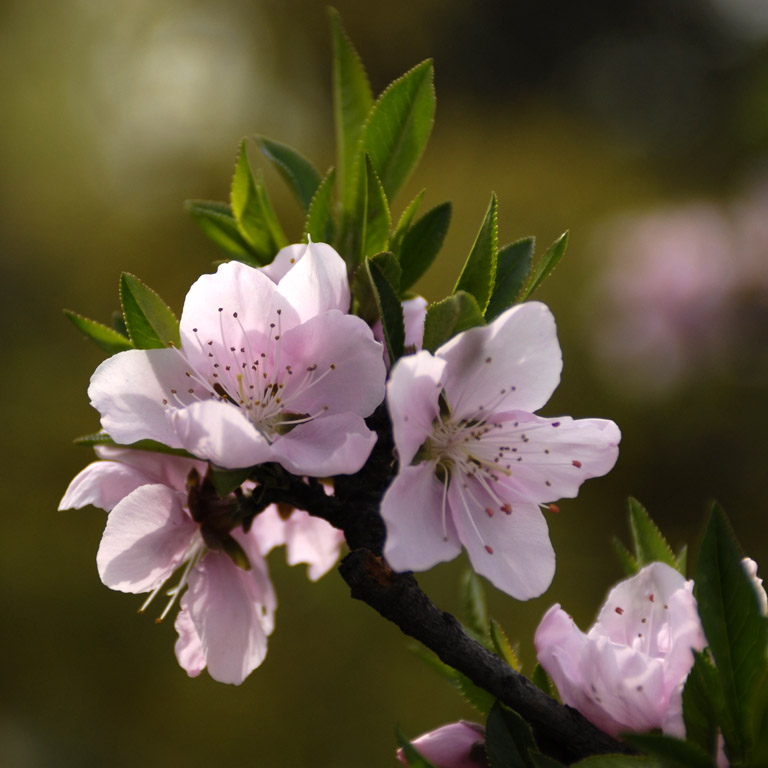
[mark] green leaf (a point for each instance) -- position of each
(225, 481)
(626, 558)
(479, 273)
(671, 752)
(542, 680)
(508, 739)
(218, 223)
(390, 308)
(319, 225)
(502, 646)
(703, 704)
(404, 224)
(450, 316)
(252, 208)
(513, 265)
(352, 103)
(102, 438)
(650, 544)
(423, 242)
(473, 607)
(377, 217)
(476, 696)
(544, 761)
(734, 626)
(299, 173)
(399, 126)
(546, 264)
(150, 322)
(412, 757)
(109, 340)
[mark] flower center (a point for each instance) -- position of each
(254, 375)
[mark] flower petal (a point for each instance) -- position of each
(350, 370)
(134, 390)
(420, 532)
(412, 396)
(189, 649)
(220, 432)
(159, 468)
(513, 550)
(227, 616)
(146, 538)
(268, 528)
(283, 261)
(513, 363)
(330, 445)
(457, 745)
(549, 459)
(317, 282)
(313, 541)
(103, 484)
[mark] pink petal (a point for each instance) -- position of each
(420, 532)
(132, 392)
(189, 649)
(350, 370)
(146, 538)
(317, 282)
(284, 261)
(551, 458)
(412, 396)
(457, 745)
(513, 550)
(220, 432)
(518, 353)
(158, 467)
(224, 606)
(103, 484)
(330, 445)
(269, 529)
(313, 541)
(246, 298)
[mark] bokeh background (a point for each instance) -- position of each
(642, 126)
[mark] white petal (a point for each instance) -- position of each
(189, 649)
(317, 282)
(518, 353)
(513, 550)
(350, 369)
(145, 540)
(103, 484)
(420, 532)
(228, 618)
(313, 541)
(220, 432)
(158, 467)
(412, 396)
(549, 459)
(269, 529)
(330, 445)
(133, 392)
(284, 261)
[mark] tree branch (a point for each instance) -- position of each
(560, 731)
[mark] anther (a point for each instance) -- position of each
(576, 464)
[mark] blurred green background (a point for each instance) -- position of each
(641, 126)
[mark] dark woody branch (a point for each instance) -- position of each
(559, 730)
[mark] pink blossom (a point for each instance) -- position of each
(627, 672)
(457, 745)
(750, 566)
(475, 462)
(307, 539)
(267, 371)
(163, 519)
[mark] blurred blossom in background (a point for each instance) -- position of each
(633, 124)
(683, 294)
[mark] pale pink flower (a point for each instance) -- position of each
(627, 673)
(457, 745)
(307, 539)
(750, 566)
(475, 462)
(162, 520)
(267, 371)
